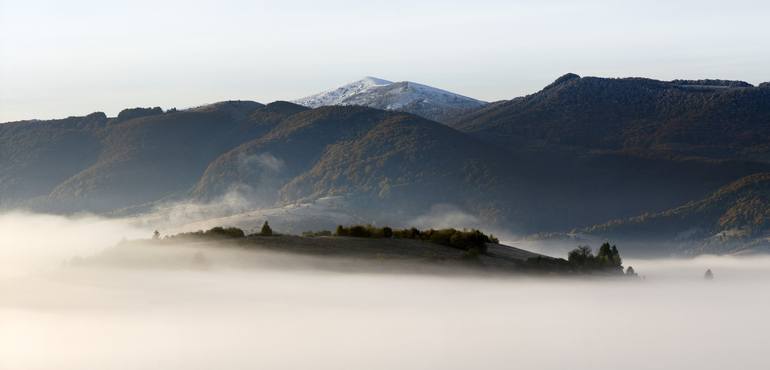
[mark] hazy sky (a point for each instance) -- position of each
(60, 58)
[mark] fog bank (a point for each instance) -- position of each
(30, 242)
(104, 316)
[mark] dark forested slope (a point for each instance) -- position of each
(709, 118)
(578, 153)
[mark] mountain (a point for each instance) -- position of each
(735, 217)
(385, 161)
(578, 153)
(405, 96)
(708, 118)
(100, 164)
(395, 166)
(36, 156)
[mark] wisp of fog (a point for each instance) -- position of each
(60, 315)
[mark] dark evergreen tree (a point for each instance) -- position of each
(266, 230)
(616, 260)
(604, 256)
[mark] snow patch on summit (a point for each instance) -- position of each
(405, 96)
(339, 95)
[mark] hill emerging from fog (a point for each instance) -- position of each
(422, 100)
(346, 254)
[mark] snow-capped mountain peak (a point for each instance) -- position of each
(338, 95)
(405, 96)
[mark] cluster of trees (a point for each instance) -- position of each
(131, 113)
(582, 260)
(607, 258)
(218, 232)
(364, 231)
(316, 234)
(213, 233)
(473, 241)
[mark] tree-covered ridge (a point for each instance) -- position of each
(738, 210)
(710, 118)
(473, 241)
(217, 232)
(220, 232)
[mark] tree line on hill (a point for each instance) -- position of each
(582, 260)
(607, 258)
(219, 232)
(472, 241)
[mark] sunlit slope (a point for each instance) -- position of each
(386, 160)
(736, 214)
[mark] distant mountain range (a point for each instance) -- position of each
(582, 151)
(410, 97)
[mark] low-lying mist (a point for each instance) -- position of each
(30, 242)
(104, 315)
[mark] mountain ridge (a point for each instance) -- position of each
(581, 151)
(708, 118)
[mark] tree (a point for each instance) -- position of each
(630, 271)
(604, 255)
(580, 256)
(156, 235)
(359, 231)
(341, 231)
(225, 232)
(616, 260)
(387, 232)
(266, 230)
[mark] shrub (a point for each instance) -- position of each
(630, 271)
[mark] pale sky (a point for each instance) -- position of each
(61, 58)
